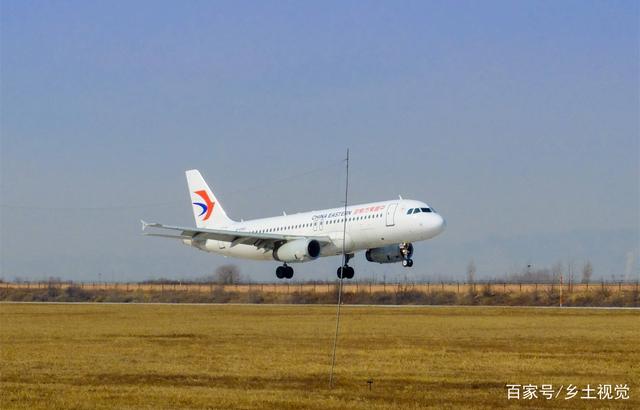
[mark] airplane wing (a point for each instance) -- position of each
(265, 241)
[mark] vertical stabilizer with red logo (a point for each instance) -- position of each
(207, 210)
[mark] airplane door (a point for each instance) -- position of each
(320, 224)
(391, 214)
(315, 224)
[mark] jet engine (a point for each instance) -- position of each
(390, 253)
(300, 250)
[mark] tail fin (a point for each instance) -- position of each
(207, 210)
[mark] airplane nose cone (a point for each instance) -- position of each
(433, 225)
(439, 223)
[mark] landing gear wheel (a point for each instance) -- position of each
(407, 263)
(349, 272)
(288, 272)
(346, 271)
(284, 271)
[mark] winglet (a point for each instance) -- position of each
(145, 225)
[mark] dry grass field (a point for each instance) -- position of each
(329, 287)
(260, 356)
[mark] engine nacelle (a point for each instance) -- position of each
(299, 250)
(390, 253)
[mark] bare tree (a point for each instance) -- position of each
(587, 272)
(471, 272)
(629, 263)
(529, 274)
(227, 274)
(570, 272)
(556, 271)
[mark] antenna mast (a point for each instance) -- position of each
(344, 262)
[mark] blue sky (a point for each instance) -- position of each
(518, 121)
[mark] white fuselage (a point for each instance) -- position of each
(368, 226)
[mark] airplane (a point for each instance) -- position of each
(384, 230)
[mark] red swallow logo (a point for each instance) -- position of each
(207, 206)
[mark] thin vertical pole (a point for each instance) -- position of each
(344, 262)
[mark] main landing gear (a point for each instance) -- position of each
(346, 271)
(406, 249)
(284, 271)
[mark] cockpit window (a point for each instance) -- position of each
(418, 210)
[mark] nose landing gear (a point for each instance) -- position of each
(284, 271)
(406, 249)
